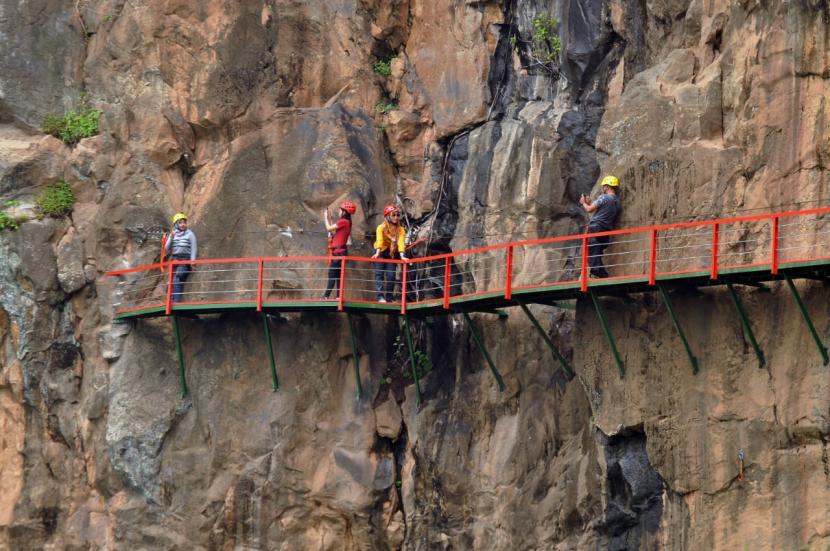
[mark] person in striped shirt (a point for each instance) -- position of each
(181, 243)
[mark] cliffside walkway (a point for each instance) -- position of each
(748, 250)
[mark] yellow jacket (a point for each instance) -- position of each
(385, 239)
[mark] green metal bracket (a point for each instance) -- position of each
(180, 354)
(745, 322)
(677, 327)
(607, 330)
(275, 383)
(821, 348)
(546, 338)
(411, 349)
(556, 303)
(500, 312)
(355, 358)
(760, 286)
(487, 357)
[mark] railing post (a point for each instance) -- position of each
(652, 259)
(713, 273)
(583, 278)
(774, 263)
(508, 284)
(169, 306)
(447, 283)
(342, 296)
(259, 286)
(403, 287)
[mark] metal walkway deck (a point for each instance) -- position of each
(741, 250)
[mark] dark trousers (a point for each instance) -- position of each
(180, 275)
(385, 278)
(596, 248)
(334, 275)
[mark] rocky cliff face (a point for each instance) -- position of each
(252, 116)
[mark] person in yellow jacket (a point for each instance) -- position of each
(389, 243)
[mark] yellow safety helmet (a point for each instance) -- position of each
(611, 181)
(179, 216)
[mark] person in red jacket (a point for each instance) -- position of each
(339, 243)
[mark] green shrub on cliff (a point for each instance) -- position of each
(56, 200)
(7, 222)
(384, 67)
(12, 220)
(546, 44)
(386, 107)
(73, 125)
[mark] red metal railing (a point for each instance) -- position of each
(710, 247)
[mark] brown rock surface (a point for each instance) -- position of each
(253, 116)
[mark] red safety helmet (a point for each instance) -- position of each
(389, 209)
(349, 207)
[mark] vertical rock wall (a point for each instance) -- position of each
(253, 116)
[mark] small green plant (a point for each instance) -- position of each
(7, 222)
(73, 125)
(546, 44)
(383, 67)
(423, 364)
(386, 107)
(513, 40)
(56, 200)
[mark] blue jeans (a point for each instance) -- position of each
(596, 248)
(182, 271)
(385, 278)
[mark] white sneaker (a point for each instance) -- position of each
(381, 299)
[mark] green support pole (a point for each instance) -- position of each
(487, 357)
(275, 383)
(355, 358)
(676, 323)
(821, 348)
(607, 330)
(745, 322)
(411, 348)
(180, 354)
(546, 338)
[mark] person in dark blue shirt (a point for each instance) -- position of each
(604, 212)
